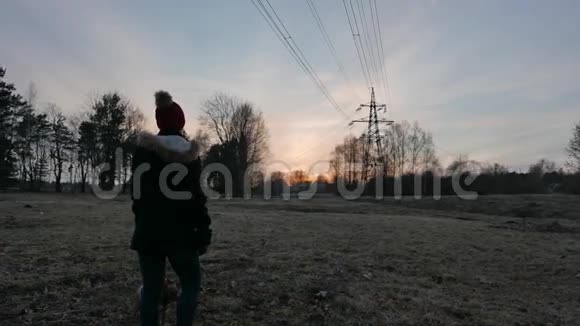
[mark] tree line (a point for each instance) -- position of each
(409, 154)
(39, 145)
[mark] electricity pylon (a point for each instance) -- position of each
(373, 155)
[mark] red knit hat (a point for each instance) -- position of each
(170, 117)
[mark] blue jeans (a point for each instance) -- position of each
(186, 266)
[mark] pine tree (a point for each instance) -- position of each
(10, 103)
(108, 116)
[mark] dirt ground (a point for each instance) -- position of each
(499, 260)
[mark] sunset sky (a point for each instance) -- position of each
(497, 80)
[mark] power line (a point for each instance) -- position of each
(274, 28)
(278, 27)
(359, 45)
(360, 42)
(369, 45)
(382, 55)
(355, 43)
(329, 43)
(376, 41)
(367, 40)
(305, 62)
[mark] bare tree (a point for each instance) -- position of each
(232, 120)
(202, 138)
(396, 148)
(217, 116)
(133, 125)
(32, 142)
(462, 164)
(542, 167)
(86, 151)
(336, 163)
(348, 158)
(240, 131)
(429, 160)
(37, 162)
(321, 178)
(573, 149)
(297, 177)
(74, 122)
(61, 142)
(79, 165)
(408, 149)
(494, 169)
(420, 148)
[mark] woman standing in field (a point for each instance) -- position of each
(171, 218)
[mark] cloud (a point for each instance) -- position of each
(472, 100)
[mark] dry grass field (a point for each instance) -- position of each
(500, 260)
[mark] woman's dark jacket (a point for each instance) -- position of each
(162, 224)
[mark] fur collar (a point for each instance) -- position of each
(169, 148)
